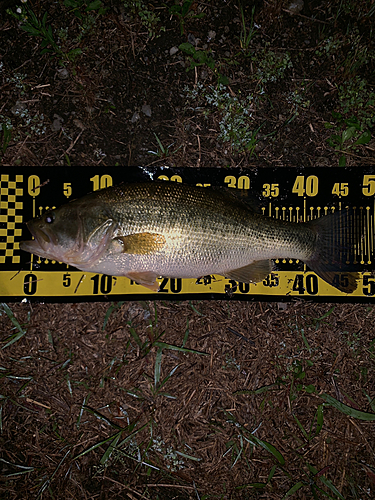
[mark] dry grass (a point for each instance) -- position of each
(70, 390)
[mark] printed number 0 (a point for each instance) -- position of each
(33, 183)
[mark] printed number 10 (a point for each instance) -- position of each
(101, 181)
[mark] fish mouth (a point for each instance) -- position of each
(42, 242)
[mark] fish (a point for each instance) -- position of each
(166, 229)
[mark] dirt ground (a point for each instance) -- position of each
(193, 399)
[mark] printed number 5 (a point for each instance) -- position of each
(368, 286)
(368, 188)
(67, 189)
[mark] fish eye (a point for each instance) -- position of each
(49, 217)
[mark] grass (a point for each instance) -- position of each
(20, 330)
(132, 446)
(147, 16)
(233, 113)
(37, 26)
(247, 33)
(6, 137)
(202, 57)
(183, 12)
(352, 114)
(163, 151)
(352, 130)
(107, 433)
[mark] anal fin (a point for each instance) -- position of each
(146, 279)
(252, 273)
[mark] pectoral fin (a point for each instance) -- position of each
(141, 243)
(146, 279)
(252, 273)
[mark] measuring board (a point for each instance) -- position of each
(285, 193)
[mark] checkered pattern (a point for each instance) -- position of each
(10, 217)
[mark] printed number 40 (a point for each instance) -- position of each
(310, 187)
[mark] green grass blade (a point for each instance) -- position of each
(271, 474)
(49, 481)
(293, 489)
(166, 395)
(81, 410)
(135, 336)
(187, 331)
(371, 401)
(163, 345)
(21, 332)
(158, 367)
(267, 446)
(305, 340)
(195, 309)
(99, 416)
(347, 410)
(13, 338)
(316, 321)
(265, 388)
(185, 455)
(24, 469)
(256, 486)
(136, 393)
(111, 308)
(301, 427)
(239, 453)
(165, 380)
(94, 446)
(132, 435)
(319, 421)
(325, 481)
(160, 144)
(110, 449)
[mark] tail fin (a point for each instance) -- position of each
(338, 242)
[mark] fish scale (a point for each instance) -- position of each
(202, 228)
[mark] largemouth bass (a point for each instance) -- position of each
(147, 230)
